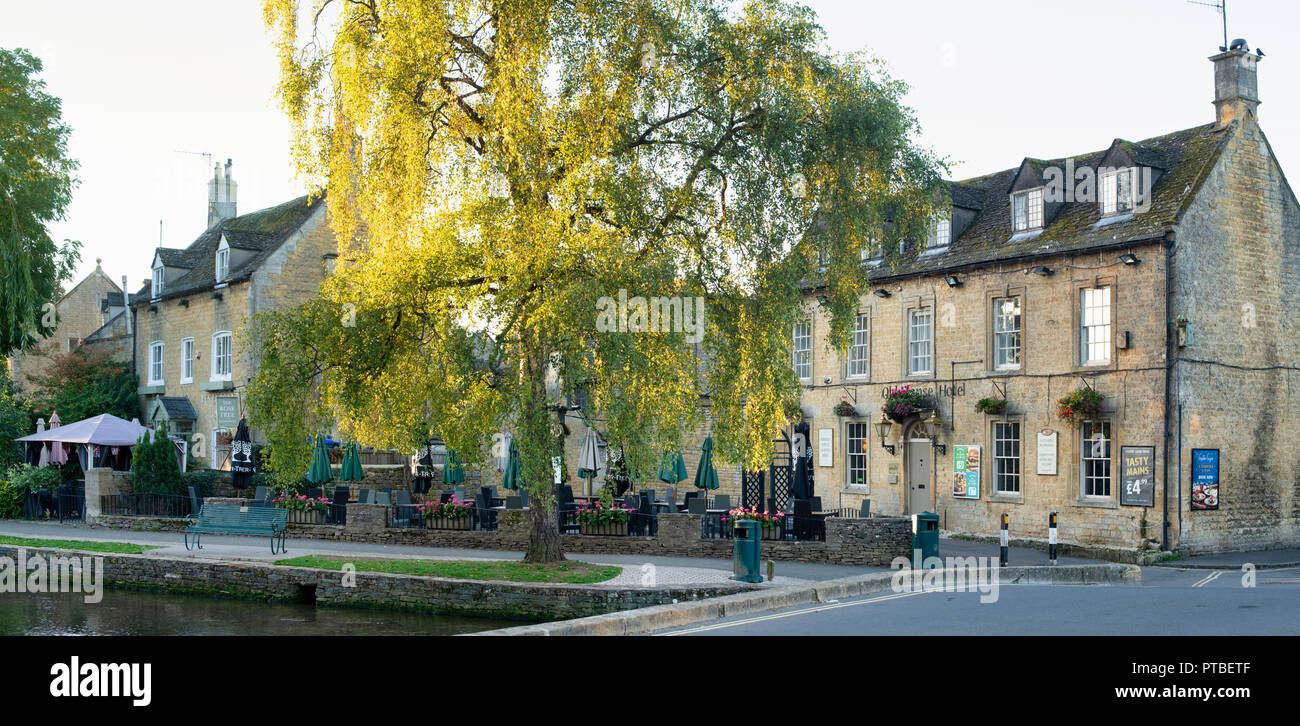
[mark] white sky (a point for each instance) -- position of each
(992, 81)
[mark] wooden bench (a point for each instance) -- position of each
(222, 519)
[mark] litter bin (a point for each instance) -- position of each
(925, 538)
(745, 559)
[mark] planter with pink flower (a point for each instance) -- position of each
(769, 524)
(608, 520)
(303, 509)
(455, 513)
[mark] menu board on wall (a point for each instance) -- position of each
(1137, 476)
(825, 453)
(1205, 479)
(1047, 452)
(966, 472)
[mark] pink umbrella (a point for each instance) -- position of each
(58, 455)
(45, 449)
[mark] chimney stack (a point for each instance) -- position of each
(221, 194)
(1236, 83)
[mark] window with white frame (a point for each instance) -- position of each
(920, 342)
(223, 260)
(940, 234)
(157, 281)
(856, 450)
(221, 355)
(859, 358)
(1006, 457)
(1094, 326)
(802, 356)
(1117, 191)
(187, 360)
(1094, 448)
(1027, 210)
(1006, 333)
(156, 363)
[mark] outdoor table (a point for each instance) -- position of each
(668, 506)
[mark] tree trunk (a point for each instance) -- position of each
(536, 447)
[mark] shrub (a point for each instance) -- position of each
(204, 479)
(27, 478)
(155, 466)
(11, 501)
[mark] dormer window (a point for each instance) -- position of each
(157, 281)
(1117, 191)
(223, 260)
(940, 234)
(1027, 210)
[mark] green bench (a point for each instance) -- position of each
(223, 519)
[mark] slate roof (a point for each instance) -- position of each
(179, 407)
(261, 232)
(113, 300)
(1183, 158)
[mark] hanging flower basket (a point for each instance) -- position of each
(793, 412)
(904, 402)
(1083, 404)
(844, 408)
(991, 406)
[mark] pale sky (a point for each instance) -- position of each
(993, 81)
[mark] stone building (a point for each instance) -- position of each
(190, 362)
(91, 312)
(1157, 273)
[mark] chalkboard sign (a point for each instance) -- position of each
(1137, 476)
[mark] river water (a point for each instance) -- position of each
(129, 612)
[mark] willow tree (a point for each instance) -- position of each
(502, 171)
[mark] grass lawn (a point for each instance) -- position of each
(118, 548)
(572, 572)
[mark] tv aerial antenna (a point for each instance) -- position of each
(1220, 6)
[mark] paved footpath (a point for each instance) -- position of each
(667, 570)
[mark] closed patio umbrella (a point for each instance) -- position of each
(320, 464)
(351, 469)
(673, 469)
(452, 471)
(241, 456)
(58, 455)
(512, 477)
(801, 460)
(44, 459)
(588, 459)
(706, 477)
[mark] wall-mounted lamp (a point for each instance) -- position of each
(216, 296)
(930, 428)
(952, 280)
(826, 380)
(882, 432)
(1129, 258)
(882, 292)
(1043, 270)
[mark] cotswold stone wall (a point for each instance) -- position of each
(381, 590)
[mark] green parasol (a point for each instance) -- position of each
(452, 472)
(673, 469)
(320, 463)
(706, 477)
(512, 477)
(351, 470)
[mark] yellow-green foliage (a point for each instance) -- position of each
(452, 308)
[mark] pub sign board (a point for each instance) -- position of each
(1205, 479)
(1137, 476)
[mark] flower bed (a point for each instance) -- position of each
(301, 503)
(769, 524)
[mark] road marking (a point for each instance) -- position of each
(778, 616)
(1208, 579)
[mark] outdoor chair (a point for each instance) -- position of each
(722, 501)
(338, 513)
(523, 497)
(670, 496)
(259, 497)
(565, 508)
(316, 493)
(196, 501)
(697, 505)
(685, 506)
(384, 499)
(514, 503)
(445, 496)
(865, 512)
(816, 503)
(650, 493)
(460, 493)
(403, 511)
(487, 516)
(364, 496)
